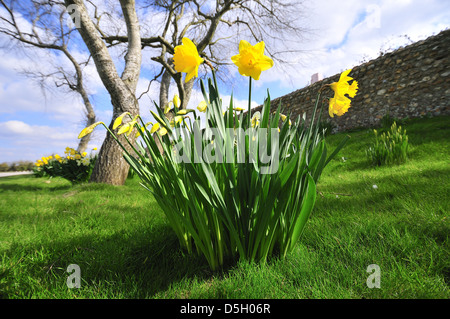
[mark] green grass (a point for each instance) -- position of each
(125, 248)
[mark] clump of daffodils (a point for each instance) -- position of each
(73, 166)
(256, 198)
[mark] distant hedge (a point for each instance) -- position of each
(16, 166)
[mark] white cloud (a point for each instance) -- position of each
(19, 129)
(348, 32)
(22, 141)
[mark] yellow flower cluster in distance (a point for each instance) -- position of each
(46, 159)
(340, 103)
(70, 154)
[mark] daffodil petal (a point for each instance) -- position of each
(344, 76)
(89, 129)
(265, 63)
(244, 45)
(259, 47)
(186, 59)
(162, 131)
(154, 128)
(119, 119)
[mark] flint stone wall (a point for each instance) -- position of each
(411, 82)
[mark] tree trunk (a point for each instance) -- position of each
(164, 89)
(184, 89)
(90, 114)
(187, 93)
(184, 95)
(111, 167)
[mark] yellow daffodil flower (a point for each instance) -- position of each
(202, 106)
(162, 131)
(185, 111)
(176, 101)
(341, 87)
(186, 59)
(88, 130)
(284, 117)
(119, 120)
(353, 88)
(124, 128)
(158, 128)
(175, 121)
(155, 128)
(142, 129)
(338, 106)
(340, 103)
(168, 107)
(251, 60)
(128, 127)
(255, 119)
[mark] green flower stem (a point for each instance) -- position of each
(249, 100)
(117, 140)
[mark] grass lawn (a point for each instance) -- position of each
(125, 249)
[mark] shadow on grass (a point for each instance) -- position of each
(31, 188)
(30, 183)
(123, 265)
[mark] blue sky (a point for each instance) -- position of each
(343, 34)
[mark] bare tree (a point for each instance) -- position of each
(111, 167)
(48, 34)
(274, 21)
(201, 20)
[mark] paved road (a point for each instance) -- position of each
(15, 173)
